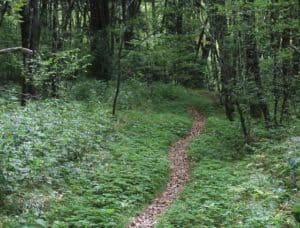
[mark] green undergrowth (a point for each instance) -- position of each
(239, 186)
(69, 163)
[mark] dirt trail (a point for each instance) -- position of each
(179, 163)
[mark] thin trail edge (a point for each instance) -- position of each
(179, 168)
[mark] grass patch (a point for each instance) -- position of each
(236, 186)
(69, 163)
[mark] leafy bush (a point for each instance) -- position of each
(54, 69)
(66, 64)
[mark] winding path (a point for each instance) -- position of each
(179, 166)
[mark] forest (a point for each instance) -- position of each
(149, 113)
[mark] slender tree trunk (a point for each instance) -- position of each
(30, 32)
(286, 74)
(113, 23)
(275, 45)
(200, 44)
(220, 33)
(252, 66)
(237, 56)
(154, 19)
(243, 122)
(56, 46)
(119, 78)
(179, 17)
(164, 23)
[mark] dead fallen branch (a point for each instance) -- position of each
(15, 49)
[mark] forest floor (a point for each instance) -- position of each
(179, 175)
(69, 163)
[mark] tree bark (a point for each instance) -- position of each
(100, 19)
(119, 78)
(154, 19)
(30, 32)
(219, 32)
(286, 72)
(275, 45)
(252, 65)
(56, 46)
(179, 17)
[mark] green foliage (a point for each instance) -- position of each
(10, 67)
(85, 90)
(296, 212)
(15, 7)
(229, 142)
(228, 194)
(60, 66)
(70, 163)
(166, 58)
(230, 187)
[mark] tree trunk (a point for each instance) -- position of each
(56, 46)
(154, 19)
(119, 77)
(102, 57)
(30, 32)
(179, 17)
(274, 46)
(220, 32)
(252, 66)
(286, 74)
(130, 9)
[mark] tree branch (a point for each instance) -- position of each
(295, 48)
(14, 49)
